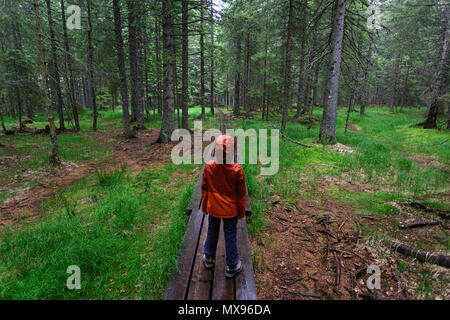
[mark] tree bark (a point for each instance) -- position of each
(202, 60)
(70, 80)
(185, 66)
(168, 125)
(394, 82)
(211, 96)
(287, 70)
(54, 157)
(91, 67)
(327, 133)
(123, 77)
(441, 74)
(55, 75)
(237, 78)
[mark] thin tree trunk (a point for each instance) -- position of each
(327, 133)
(287, 70)
(237, 78)
(70, 79)
(441, 74)
(185, 66)
(91, 67)
(202, 61)
(211, 97)
(158, 65)
(168, 125)
(122, 72)
(247, 75)
(54, 158)
(55, 75)
(394, 82)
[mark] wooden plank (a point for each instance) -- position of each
(179, 281)
(196, 198)
(245, 281)
(248, 207)
(223, 288)
(201, 280)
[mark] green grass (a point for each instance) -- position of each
(122, 230)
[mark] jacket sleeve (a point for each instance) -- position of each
(204, 190)
(241, 191)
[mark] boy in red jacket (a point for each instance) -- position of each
(223, 198)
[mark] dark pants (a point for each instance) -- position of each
(229, 230)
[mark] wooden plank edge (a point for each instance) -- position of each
(178, 283)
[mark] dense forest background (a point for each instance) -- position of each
(359, 89)
(161, 57)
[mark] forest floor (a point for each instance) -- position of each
(333, 211)
(116, 208)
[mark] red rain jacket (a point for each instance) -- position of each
(223, 185)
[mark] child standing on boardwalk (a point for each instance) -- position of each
(223, 198)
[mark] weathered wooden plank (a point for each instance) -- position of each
(248, 207)
(245, 281)
(179, 281)
(196, 198)
(201, 280)
(223, 288)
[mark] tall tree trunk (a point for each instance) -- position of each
(140, 79)
(54, 158)
(211, 96)
(394, 82)
(168, 125)
(122, 72)
(440, 79)
(366, 95)
(70, 79)
(91, 67)
(300, 91)
(55, 75)
(287, 70)
(185, 66)
(327, 133)
(202, 60)
(405, 87)
(247, 75)
(237, 78)
(158, 65)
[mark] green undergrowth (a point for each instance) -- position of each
(122, 229)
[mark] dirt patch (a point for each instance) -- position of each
(426, 162)
(316, 251)
(136, 154)
(353, 128)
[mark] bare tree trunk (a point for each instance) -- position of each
(158, 65)
(202, 60)
(394, 82)
(237, 78)
(122, 72)
(211, 97)
(91, 67)
(55, 75)
(327, 133)
(54, 158)
(287, 70)
(441, 74)
(69, 78)
(185, 66)
(168, 125)
(247, 76)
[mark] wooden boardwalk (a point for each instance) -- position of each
(191, 280)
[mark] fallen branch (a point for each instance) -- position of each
(418, 225)
(420, 206)
(305, 294)
(424, 256)
(294, 141)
